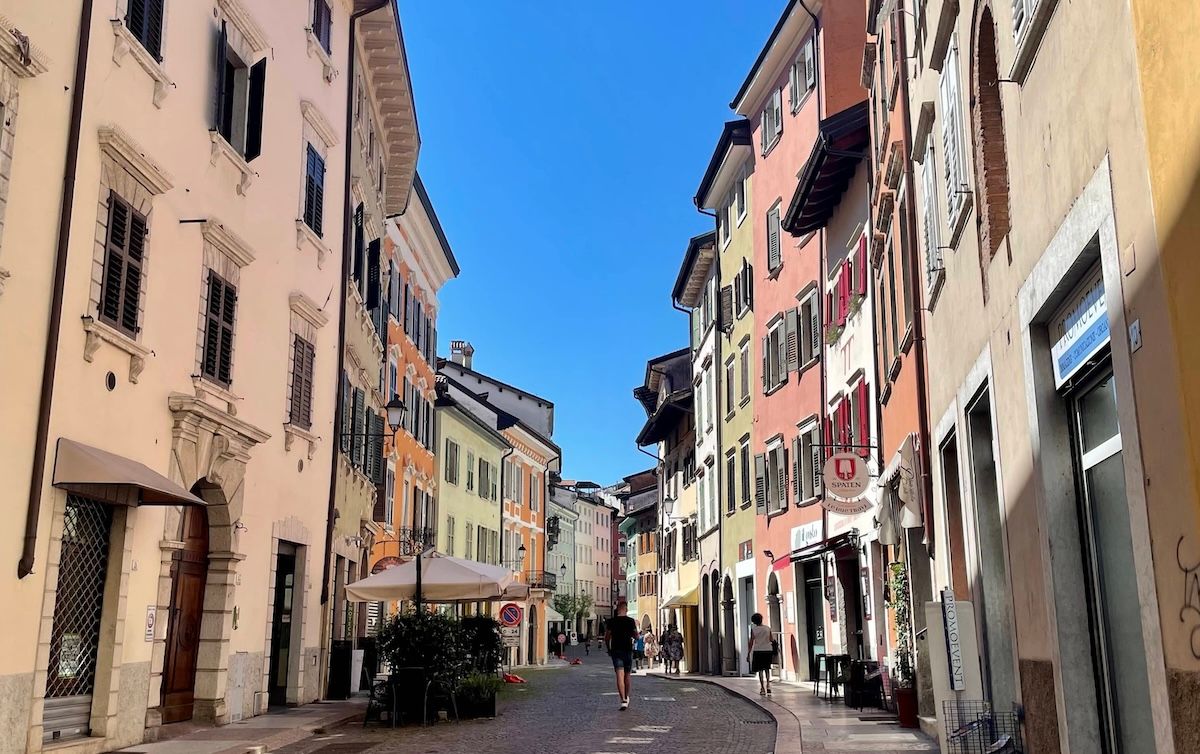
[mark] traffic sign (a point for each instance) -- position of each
(562, 638)
(510, 614)
(510, 636)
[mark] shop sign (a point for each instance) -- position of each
(845, 476)
(803, 536)
(846, 507)
(1081, 330)
(954, 657)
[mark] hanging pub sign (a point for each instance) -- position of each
(846, 480)
(1080, 329)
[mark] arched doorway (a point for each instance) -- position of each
(715, 621)
(991, 158)
(775, 618)
(706, 627)
(729, 646)
(189, 572)
(531, 637)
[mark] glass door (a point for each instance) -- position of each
(1119, 655)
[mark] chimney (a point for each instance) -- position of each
(461, 352)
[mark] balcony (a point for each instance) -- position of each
(413, 540)
(541, 579)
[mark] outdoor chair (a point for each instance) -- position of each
(822, 673)
(838, 676)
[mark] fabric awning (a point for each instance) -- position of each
(114, 479)
(684, 599)
(847, 539)
(553, 616)
(900, 477)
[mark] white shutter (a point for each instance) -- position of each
(952, 139)
(810, 64)
(814, 327)
(929, 224)
(1019, 14)
(766, 129)
(773, 255)
(777, 100)
(794, 84)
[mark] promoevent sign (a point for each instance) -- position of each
(954, 656)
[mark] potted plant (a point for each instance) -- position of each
(477, 695)
(904, 689)
(424, 650)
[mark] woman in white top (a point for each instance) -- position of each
(762, 652)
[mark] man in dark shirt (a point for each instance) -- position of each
(619, 636)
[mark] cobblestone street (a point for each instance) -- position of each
(573, 710)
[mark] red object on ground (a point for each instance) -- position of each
(577, 661)
(510, 678)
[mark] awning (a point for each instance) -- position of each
(443, 579)
(846, 539)
(114, 479)
(684, 599)
(553, 616)
(842, 142)
(901, 476)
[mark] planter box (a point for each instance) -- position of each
(906, 707)
(474, 708)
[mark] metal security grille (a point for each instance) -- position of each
(75, 636)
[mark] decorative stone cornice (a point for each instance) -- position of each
(96, 332)
(190, 410)
(316, 50)
(240, 17)
(291, 433)
(220, 148)
(116, 145)
(307, 236)
(227, 242)
(24, 58)
(307, 309)
(126, 44)
(205, 389)
(314, 117)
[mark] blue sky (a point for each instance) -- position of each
(561, 144)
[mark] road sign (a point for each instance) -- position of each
(510, 636)
(510, 614)
(562, 638)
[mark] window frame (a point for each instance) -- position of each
(221, 371)
(125, 250)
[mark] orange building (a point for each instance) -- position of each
(417, 260)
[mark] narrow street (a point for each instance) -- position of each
(573, 710)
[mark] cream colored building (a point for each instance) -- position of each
(1052, 381)
(171, 309)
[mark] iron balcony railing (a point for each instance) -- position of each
(414, 540)
(541, 579)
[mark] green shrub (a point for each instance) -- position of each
(479, 687)
(432, 641)
(481, 635)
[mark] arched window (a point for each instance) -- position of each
(991, 158)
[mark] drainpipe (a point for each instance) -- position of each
(347, 241)
(50, 358)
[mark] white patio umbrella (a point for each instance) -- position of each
(441, 578)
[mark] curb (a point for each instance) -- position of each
(785, 742)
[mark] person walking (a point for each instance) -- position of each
(762, 652)
(619, 637)
(651, 651)
(639, 650)
(672, 643)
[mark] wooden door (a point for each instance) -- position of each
(189, 572)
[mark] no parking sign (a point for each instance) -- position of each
(510, 615)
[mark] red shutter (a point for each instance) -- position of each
(830, 312)
(845, 437)
(829, 422)
(864, 418)
(843, 284)
(860, 263)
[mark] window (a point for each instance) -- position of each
(451, 461)
(772, 120)
(774, 255)
(891, 273)
(389, 496)
(533, 491)
(469, 539)
(781, 352)
(731, 497)
(929, 223)
(806, 463)
(300, 406)
(314, 190)
(745, 377)
(744, 459)
(953, 139)
(739, 194)
(241, 89)
(730, 385)
(1022, 11)
(776, 478)
(125, 247)
(145, 21)
(809, 326)
(743, 288)
(802, 78)
(322, 24)
(700, 402)
(217, 362)
(905, 267)
(449, 531)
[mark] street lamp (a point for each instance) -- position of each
(395, 409)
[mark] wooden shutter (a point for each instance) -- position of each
(860, 264)
(843, 292)
(314, 192)
(254, 109)
(124, 255)
(830, 421)
(357, 430)
(378, 430)
(369, 442)
(792, 337)
(773, 253)
(221, 73)
(810, 63)
(218, 332)
(726, 315)
(346, 413)
(951, 126)
(373, 274)
(748, 276)
(794, 85)
(766, 365)
(781, 477)
(864, 418)
(777, 102)
(781, 353)
(814, 326)
(797, 475)
(815, 451)
(760, 484)
(300, 409)
(738, 292)
(323, 24)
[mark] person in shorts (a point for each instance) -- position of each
(762, 653)
(619, 637)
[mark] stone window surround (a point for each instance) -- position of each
(315, 49)
(250, 43)
(320, 134)
(224, 253)
(127, 171)
(305, 320)
(125, 44)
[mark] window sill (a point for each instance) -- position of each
(894, 369)
(799, 104)
(744, 310)
(744, 402)
(97, 332)
(773, 274)
(128, 45)
(774, 388)
(741, 218)
(885, 394)
(206, 388)
(935, 288)
(292, 432)
(958, 223)
(222, 148)
(316, 50)
(809, 501)
(778, 512)
(770, 147)
(305, 234)
(807, 366)
(906, 343)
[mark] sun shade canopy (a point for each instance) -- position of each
(443, 579)
(114, 479)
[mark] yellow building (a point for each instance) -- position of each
(1165, 31)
